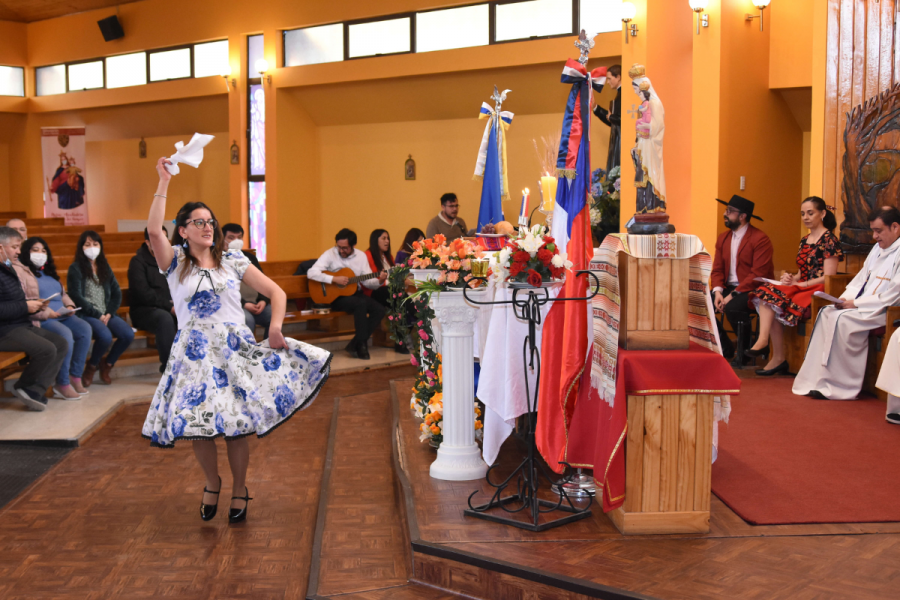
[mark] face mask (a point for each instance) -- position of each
(38, 259)
(92, 253)
(235, 244)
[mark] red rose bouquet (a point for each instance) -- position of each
(533, 257)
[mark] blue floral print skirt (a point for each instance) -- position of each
(221, 382)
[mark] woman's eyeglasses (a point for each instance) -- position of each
(200, 223)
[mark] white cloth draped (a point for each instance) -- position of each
(835, 362)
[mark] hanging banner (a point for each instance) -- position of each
(62, 153)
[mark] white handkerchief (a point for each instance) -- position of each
(192, 154)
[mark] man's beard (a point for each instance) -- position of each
(732, 225)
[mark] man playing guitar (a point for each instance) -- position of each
(367, 313)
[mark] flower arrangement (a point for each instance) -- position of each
(605, 191)
(425, 253)
(532, 258)
(397, 297)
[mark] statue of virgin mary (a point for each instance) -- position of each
(647, 154)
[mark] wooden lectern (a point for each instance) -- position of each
(668, 450)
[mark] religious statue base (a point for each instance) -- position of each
(651, 224)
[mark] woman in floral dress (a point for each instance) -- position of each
(219, 381)
(785, 304)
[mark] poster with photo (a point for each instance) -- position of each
(62, 152)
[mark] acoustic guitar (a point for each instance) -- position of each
(326, 293)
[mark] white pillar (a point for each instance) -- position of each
(458, 458)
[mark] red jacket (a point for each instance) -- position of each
(754, 260)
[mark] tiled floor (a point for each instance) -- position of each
(65, 420)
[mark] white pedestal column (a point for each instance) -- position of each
(458, 458)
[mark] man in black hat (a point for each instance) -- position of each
(743, 253)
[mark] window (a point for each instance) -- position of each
(256, 50)
(256, 142)
(599, 16)
(391, 36)
(258, 218)
(453, 28)
(534, 18)
(50, 80)
(86, 76)
(12, 81)
(170, 64)
(314, 45)
(257, 130)
(211, 59)
(126, 70)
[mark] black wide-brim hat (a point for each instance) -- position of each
(741, 204)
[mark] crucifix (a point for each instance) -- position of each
(633, 112)
(882, 280)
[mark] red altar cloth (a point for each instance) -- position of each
(597, 433)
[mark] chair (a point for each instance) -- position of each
(752, 324)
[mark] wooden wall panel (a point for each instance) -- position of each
(862, 61)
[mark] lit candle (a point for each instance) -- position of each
(523, 212)
(548, 191)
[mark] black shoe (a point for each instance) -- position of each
(817, 395)
(236, 515)
(351, 349)
(893, 418)
(208, 511)
(782, 368)
(400, 349)
(33, 400)
(362, 351)
(162, 369)
(751, 353)
(727, 352)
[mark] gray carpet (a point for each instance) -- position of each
(21, 465)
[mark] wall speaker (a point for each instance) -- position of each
(111, 28)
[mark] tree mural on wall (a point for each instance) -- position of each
(871, 163)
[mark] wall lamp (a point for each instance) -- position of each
(226, 75)
(628, 12)
(761, 5)
(262, 65)
(698, 6)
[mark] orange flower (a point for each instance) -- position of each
(435, 429)
(440, 239)
(478, 425)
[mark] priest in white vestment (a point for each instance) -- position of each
(835, 362)
(889, 379)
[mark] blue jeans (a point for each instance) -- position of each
(263, 319)
(103, 339)
(77, 334)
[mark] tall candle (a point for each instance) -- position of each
(523, 212)
(548, 191)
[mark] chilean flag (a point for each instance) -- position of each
(565, 348)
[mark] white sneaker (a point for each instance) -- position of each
(59, 394)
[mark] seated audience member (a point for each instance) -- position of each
(380, 259)
(413, 235)
(257, 310)
(150, 303)
(446, 221)
(367, 313)
(743, 253)
(785, 304)
(18, 225)
(93, 286)
(45, 349)
(37, 272)
(835, 360)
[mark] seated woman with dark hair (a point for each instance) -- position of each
(37, 272)
(413, 235)
(380, 259)
(785, 304)
(94, 289)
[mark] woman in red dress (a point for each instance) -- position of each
(785, 304)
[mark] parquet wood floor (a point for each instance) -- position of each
(735, 560)
(363, 545)
(118, 519)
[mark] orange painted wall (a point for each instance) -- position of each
(790, 26)
(758, 137)
(13, 44)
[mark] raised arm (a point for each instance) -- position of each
(162, 249)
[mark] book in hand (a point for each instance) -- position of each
(828, 297)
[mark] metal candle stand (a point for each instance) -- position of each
(531, 468)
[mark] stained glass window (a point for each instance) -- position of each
(257, 130)
(258, 218)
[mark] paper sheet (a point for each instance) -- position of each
(772, 281)
(829, 297)
(190, 154)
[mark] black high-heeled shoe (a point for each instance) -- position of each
(236, 515)
(751, 353)
(208, 511)
(782, 368)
